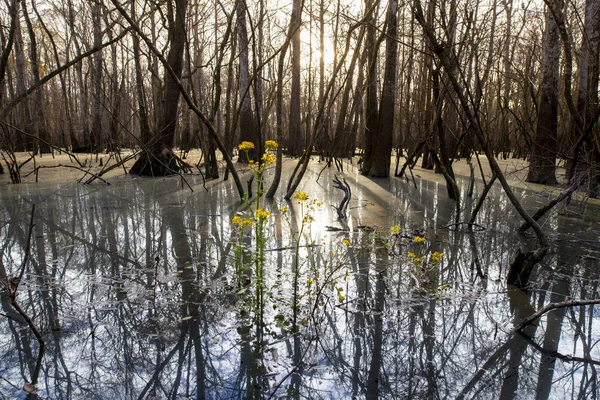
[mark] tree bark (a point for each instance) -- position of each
(295, 135)
(542, 165)
(96, 133)
(380, 166)
(39, 120)
(371, 111)
(158, 158)
(247, 122)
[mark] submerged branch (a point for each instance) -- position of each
(548, 206)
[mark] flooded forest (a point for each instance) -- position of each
(312, 199)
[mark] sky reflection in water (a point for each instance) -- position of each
(134, 288)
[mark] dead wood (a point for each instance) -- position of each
(522, 265)
(548, 206)
(345, 187)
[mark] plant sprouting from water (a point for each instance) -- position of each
(258, 218)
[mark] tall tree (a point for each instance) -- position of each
(581, 135)
(542, 165)
(96, 133)
(39, 119)
(292, 28)
(295, 137)
(145, 134)
(23, 119)
(158, 158)
(371, 110)
(383, 144)
(247, 122)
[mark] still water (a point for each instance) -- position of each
(144, 289)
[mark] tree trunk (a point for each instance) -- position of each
(295, 138)
(247, 123)
(39, 121)
(23, 119)
(145, 134)
(158, 158)
(380, 167)
(96, 135)
(371, 111)
(542, 165)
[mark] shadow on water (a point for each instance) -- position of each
(134, 287)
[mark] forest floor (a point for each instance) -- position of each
(62, 168)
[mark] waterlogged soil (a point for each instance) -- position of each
(145, 289)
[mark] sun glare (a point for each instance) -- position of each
(328, 52)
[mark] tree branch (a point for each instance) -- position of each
(552, 306)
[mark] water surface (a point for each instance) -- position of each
(135, 289)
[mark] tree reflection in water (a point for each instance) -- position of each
(134, 289)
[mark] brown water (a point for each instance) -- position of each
(135, 290)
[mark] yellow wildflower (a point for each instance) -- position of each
(301, 196)
(247, 222)
(237, 220)
(412, 255)
(307, 219)
(283, 209)
(416, 260)
(262, 214)
(436, 257)
(394, 230)
(271, 145)
(347, 242)
(246, 146)
(419, 239)
(268, 159)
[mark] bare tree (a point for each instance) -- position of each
(247, 122)
(380, 165)
(542, 165)
(158, 158)
(371, 106)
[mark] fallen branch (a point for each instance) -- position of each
(470, 225)
(86, 172)
(553, 306)
(345, 187)
(548, 206)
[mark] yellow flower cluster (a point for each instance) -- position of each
(268, 159)
(262, 214)
(239, 221)
(283, 209)
(414, 257)
(346, 242)
(271, 145)
(436, 257)
(394, 230)
(301, 196)
(246, 146)
(307, 219)
(419, 239)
